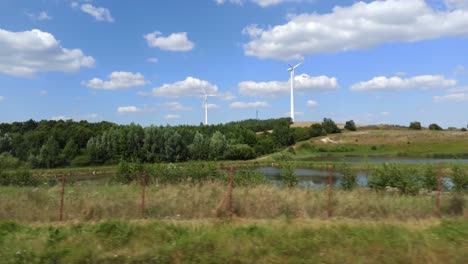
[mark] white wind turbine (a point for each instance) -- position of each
(291, 70)
(205, 104)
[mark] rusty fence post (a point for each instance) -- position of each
(62, 194)
(143, 193)
(439, 189)
(330, 183)
(231, 179)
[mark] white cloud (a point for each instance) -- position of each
(153, 60)
(128, 109)
(262, 3)
(99, 13)
(173, 42)
(459, 89)
(172, 116)
(360, 26)
(93, 116)
(456, 97)
(385, 113)
(312, 103)
(189, 87)
(118, 80)
(175, 106)
(2, 98)
(303, 83)
(40, 17)
(460, 70)
(249, 104)
(43, 92)
(28, 52)
(212, 106)
(382, 83)
(60, 117)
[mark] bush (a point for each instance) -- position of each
(459, 179)
(128, 172)
(348, 180)
(435, 127)
(463, 129)
(239, 152)
(415, 125)
(20, 177)
(247, 178)
(316, 130)
(330, 127)
(429, 178)
(7, 161)
(456, 204)
(350, 125)
(287, 175)
(81, 161)
(392, 175)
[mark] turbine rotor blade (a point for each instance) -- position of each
(297, 65)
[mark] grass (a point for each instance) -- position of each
(207, 201)
(237, 241)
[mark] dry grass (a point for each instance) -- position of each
(183, 201)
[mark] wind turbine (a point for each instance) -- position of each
(291, 70)
(205, 104)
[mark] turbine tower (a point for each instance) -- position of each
(205, 104)
(291, 70)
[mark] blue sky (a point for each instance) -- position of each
(147, 62)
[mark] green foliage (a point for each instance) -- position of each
(7, 161)
(128, 172)
(81, 161)
(239, 152)
(459, 178)
(283, 134)
(429, 178)
(329, 126)
(199, 147)
(287, 175)
(18, 177)
(435, 127)
(317, 130)
(348, 177)
(350, 125)
(49, 154)
(247, 178)
(218, 146)
(406, 180)
(415, 125)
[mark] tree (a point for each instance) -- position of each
(49, 154)
(434, 127)
(218, 145)
(350, 125)
(283, 135)
(240, 152)
(316, 130)
(199, 148)
(415, 125)
(70, 151)
(329, 125)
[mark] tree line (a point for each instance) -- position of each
(49, 144)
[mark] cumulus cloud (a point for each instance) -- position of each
(303, 83)
(456, 97)
(360, 26)
(175, 106)
(249, 104)
(172, 116)
(459, 89)
(189, 87)
(312, 103)
(128, 109)
(118, 80)
(212, 106)
(173, 42)
(28, 52)
(99, 13)
(382, 83)
(153, 60)
(39, 17)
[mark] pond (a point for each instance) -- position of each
(313, 178)
(400, 160)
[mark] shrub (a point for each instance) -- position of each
(330, 127)
(81, 161)
(456, 204)
(239, 152)
(348, 180)
(435, 127)
(463, 129)
(247, 178)
(128, 172)
(415, 125)
(19, 177)
(287, 175)
(7, 161)
(459, 179)
(429, 178)
(392, 175)
(350, 125)
(316, 130)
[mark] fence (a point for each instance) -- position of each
(192, 201)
